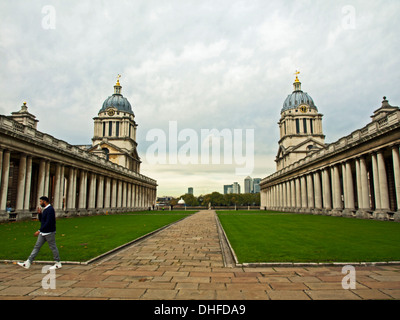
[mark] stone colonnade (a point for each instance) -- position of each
(365, 186)
(33, 164)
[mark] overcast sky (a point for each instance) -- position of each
(200, 64)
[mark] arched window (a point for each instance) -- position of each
(107, 152)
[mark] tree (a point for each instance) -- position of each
(190, 200)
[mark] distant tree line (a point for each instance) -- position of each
(218, 199)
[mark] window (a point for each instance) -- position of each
(110, 128)
(297, 126)
(117, 129)
(305, 125)
(104, 129)
(311, 126)
(107, 152)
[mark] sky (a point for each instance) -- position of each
(188, 67)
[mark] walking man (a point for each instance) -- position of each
(47, 232)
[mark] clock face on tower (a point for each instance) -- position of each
(111, 112)
(303, 109)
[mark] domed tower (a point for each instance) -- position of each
(115, 131)
(300, 127)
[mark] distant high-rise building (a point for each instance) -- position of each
(256, 185)
(190, 190)
(226, 188)
(236, 188)
(248, 185)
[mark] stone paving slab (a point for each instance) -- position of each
(186, 262)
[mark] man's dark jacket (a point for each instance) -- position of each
(48, 220)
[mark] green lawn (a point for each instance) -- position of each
(271, 237)
(82, 238)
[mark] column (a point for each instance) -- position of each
(119, 196)
(396, 171)
(375, 177)
(283, 190)
(1, 165)
(4, 180)
(57, 183)
(114, 194)
(337, 192)
(363, 211)
(298, 195)
(70, 205)
(358, 183)
(303, 193)
(107, 196)
(100, 194)
(288, 195)
(383, 188)
(318, 192)
(92, 191)
(278, 197)
(125, 195)
(350, 207)
(82, 190)
(74, 187)
(310, 192)
(41, 180)
(21, 183)
(263, 199)
(293, 192)
(28, 183)
(326, 193)
(134, 196)
(140, 196)
(70, 191)
(46, 180)
(62, 184)
(129, 201)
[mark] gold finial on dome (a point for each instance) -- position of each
(118, 76)
(297, 83)
(297, 78)
(117, 87)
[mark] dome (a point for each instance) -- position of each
(181, 201)
(296, 99)
(117, 101)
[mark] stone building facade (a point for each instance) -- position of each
(78, 180)
(356, 176)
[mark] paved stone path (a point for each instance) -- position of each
(185, 261)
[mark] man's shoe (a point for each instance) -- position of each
(26, 264)
(57, 265)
